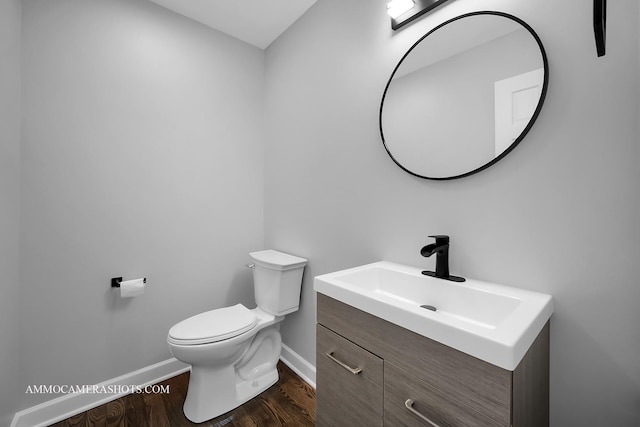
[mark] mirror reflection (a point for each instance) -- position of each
(463, 96)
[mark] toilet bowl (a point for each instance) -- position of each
(233, 351)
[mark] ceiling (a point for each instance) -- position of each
(257, 22)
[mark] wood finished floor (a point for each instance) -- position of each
(289, 402)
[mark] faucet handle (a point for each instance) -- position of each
(441, 239)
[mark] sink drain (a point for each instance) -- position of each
(429, 307)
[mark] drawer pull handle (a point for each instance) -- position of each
(354, 371)
(409, 405)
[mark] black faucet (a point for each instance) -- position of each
(441, 249)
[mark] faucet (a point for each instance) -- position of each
(441, 249)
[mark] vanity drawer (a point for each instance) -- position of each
(444, 406)
(344, 397)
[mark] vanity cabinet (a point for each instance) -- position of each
(406, 378)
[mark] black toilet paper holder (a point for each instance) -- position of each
(115, 282)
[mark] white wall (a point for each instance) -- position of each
(558, 215)
(9, 203)
(142, 156)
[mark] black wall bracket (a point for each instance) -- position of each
(115, 282)
(600, 25)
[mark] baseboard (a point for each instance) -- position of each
(299, 365)
(66, 406)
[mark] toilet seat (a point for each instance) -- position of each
(213, 326)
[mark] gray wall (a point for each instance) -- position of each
(142, 156)
(558, 215)
(9, 203)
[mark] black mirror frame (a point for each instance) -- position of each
(522, 134)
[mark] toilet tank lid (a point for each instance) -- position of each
(277, 260)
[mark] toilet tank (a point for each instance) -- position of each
(277, 279)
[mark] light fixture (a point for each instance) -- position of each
(404, 11)
(395, 8)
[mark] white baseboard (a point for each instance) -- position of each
(66, 406)
(299, 365)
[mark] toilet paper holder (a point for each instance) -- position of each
(115, 282)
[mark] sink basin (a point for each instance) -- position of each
(494, 323)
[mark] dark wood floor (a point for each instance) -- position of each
(290, 402)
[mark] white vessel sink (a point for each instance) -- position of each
(492, 322)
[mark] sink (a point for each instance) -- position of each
(494, 323)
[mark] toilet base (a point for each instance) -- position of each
(215, 390)
(197, 410)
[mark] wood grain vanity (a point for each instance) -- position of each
(371, 372)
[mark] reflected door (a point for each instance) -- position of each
(516, 99)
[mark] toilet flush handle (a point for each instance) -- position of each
(252, 266)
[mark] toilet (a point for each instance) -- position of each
(233, 351)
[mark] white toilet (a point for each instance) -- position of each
(233, 351)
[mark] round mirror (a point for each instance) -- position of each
(464, 95)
